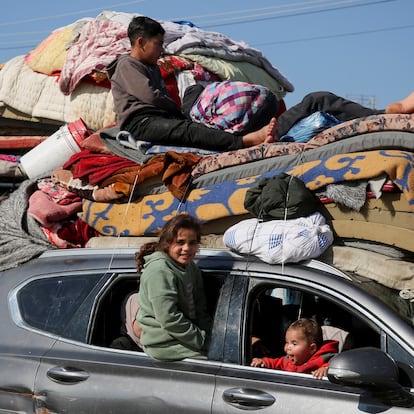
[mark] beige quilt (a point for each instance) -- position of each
(39, 96)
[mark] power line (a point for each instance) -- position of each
(24, 33)
(260, 9)
(284, 8)
(79, 12)
(292, 13)
(307, 39)
(303, 39)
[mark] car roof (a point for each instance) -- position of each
(59, 261)
(123, 258)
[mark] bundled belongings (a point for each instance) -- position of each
(234, 106)
(288, 227)
(282, 196)
(280, 241)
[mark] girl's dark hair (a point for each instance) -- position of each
(167, 236)
(142, 26)
(311, 330)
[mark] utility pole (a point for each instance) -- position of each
(370, 101)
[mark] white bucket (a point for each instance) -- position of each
(53, 152)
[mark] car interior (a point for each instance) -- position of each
(272, 309)
(109, 321)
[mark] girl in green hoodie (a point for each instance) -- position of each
(173, 311)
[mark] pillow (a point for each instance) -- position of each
(235, 107)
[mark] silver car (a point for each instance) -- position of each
(61, 312)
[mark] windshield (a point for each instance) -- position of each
(399, 301)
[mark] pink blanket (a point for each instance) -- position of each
(100, 42)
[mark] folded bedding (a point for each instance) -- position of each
(363, 142)
(353, 128)
(202, 171)
(226, 199)
(100, 42)
(50, 55)
(241, 71)
(38, 96)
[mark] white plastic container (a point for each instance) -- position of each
(53, 152)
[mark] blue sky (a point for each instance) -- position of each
(361, 49)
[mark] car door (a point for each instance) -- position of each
(240, 387)
(20, 354)
(245, 388)
(79, 378)
(33, 312)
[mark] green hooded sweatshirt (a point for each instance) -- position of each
(173, 311)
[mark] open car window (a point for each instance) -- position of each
(272, 308)
(109, 317)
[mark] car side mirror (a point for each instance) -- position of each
(373, 371)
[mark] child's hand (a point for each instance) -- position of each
(320, 372)
(258, 362)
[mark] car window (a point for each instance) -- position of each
(57, 304)
(395, 300)
(273, 307)
(109, 318)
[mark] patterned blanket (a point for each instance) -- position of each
(148, 215)
(232, 106)
(352, 128)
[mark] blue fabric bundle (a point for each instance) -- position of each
(308, 127)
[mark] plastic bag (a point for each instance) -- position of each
(308, 127)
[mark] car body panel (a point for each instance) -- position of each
(73, 369)
(121, 382)
(298, 392)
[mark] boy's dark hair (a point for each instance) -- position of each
(311, 330)
(142, 26)
(167, 236)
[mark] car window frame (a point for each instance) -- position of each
(221, 278)
(327, 296)
(358, 309)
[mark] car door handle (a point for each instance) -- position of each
(67, 375)
(248, 398)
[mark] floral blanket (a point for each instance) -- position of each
(149, 214)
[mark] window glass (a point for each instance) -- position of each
(398, 301)
(404, 362)
(49, 304)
